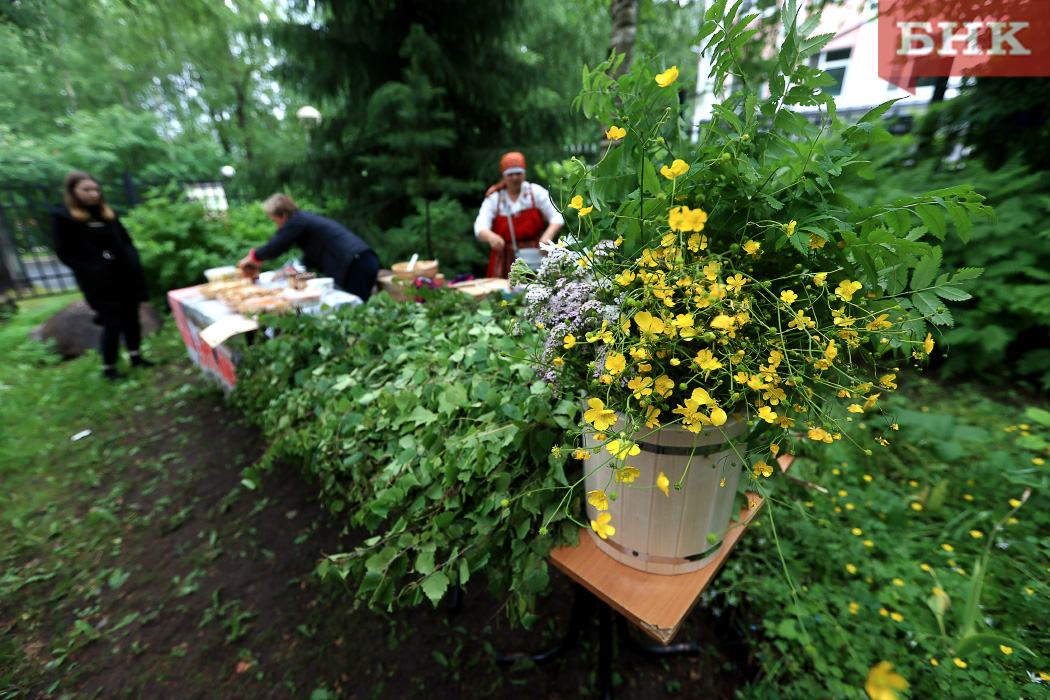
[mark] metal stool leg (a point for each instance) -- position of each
(582, 604)
(606, 649)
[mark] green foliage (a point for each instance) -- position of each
(1004, 329)
(945, 563)
(451, 230)
(179, 240)
(419, 427)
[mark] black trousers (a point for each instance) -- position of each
(120, 318)
(361, 276)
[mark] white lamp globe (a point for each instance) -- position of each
(228, 171)
(308, 117)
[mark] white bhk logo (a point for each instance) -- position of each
(917, 39)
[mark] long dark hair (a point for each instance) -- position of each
(73, 204)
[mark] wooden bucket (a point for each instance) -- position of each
(669, 534)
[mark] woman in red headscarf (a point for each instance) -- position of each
(515, 214)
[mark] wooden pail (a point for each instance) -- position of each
(669, 534)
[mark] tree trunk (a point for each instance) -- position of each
(624, 15)
(242, 120)
(940, 87)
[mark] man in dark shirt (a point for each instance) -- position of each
(327, 245)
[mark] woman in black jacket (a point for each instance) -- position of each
(95, 245)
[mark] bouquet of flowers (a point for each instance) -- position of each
(729, 274)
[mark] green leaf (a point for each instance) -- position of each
(435, 586)
(924, 272)
(976, 643)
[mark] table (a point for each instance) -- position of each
(656, 603)
(218, 355)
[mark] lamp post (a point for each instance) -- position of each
(309, 119)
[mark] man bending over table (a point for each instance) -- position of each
(327, 245)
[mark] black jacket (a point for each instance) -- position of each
(327, 245)
(102, 257)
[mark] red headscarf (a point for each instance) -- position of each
(507, 162)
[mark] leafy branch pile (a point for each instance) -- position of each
(421, 427)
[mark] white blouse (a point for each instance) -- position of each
(499, 204)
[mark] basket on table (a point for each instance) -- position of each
(422, 268)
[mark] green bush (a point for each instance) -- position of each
(847, 599)
(420, 426)
(451, 232)
(179, 240)
(1004, 330)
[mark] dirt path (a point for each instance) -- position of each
(208, 591)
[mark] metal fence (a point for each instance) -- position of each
(28, 265)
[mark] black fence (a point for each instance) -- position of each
(28, 265)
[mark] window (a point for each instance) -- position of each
(834, 63)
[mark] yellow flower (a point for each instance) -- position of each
(652, 417)
(615, 133)
(959, 662)
(580, 454)
(937, 591)
(625, 278)
(585, 211)
(897, 617)
(1015, 503)
(868, 543)
(898, 582)
(570, 341)
(641, 386)
(766, 413)
(556, 450)
(694, 221)
(662, 483)
(576, 202)
(886, 381)
(925, 567)
(916, 507)
(615, 363)
(947, 547)
(647, 323)
(558, 362)
(820, 279)
(601, 417)
(752, 248)
(791, 227)
(855, 408)
(602, 526)
(857, 531)
(851, 568)
(883, 682)
(763, 469)
(667, 77)
(664, 385)
(678, 168)
(788, 297)
(935, 662)
(854, 608)
(831, 352)
(1005, 649)
(598, 499)
(928, 344)
(816, 243)
(976, 534)
(627, 475)
(622, 450)
(706, 360)
(736, 283)
(847, 289)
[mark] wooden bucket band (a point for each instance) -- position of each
(663, 560)
(680, 451)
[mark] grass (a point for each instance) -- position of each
(43, 407)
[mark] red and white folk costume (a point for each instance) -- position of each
(520, 222)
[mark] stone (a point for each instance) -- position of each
(74, 331)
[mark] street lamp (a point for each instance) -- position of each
(309, 118)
